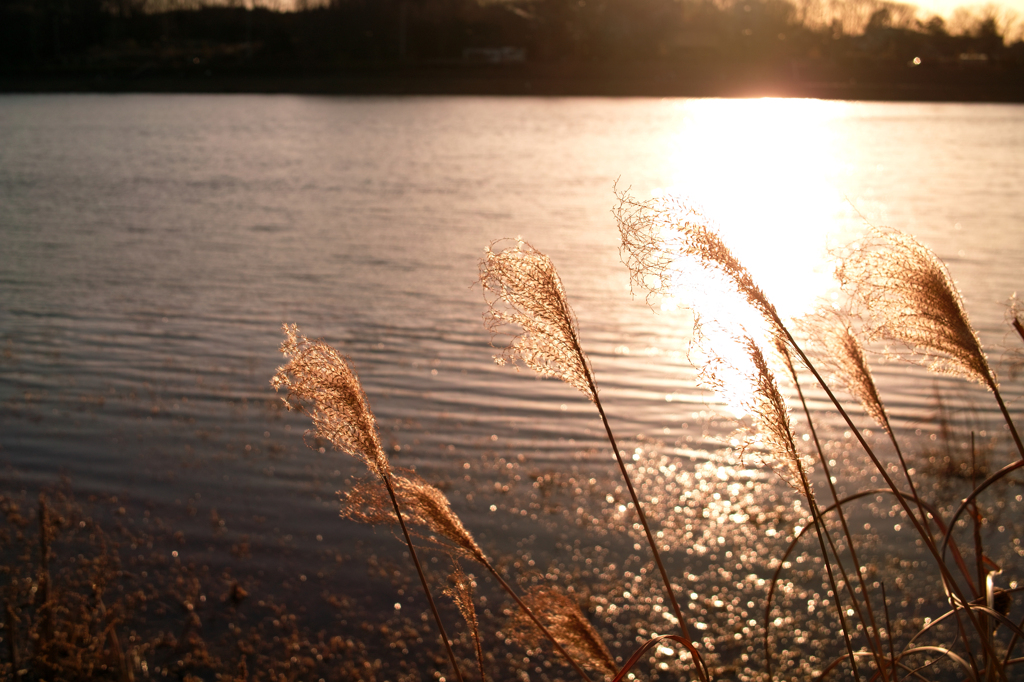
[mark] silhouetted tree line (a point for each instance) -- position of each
(794, 39)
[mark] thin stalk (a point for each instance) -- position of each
(903, 463)
(636, 500)
(792, 546)
(979, 564)
(979, 555)
(669, 592)
(647, 530)
(842, 518)
(646, 526)
(423, 578)
(651, 643)
(821, 533)
(888, 631)
(1009, 420)
(905, 468)
(926, 512)
(943, 569)
(529, 612)
(853, 428)
(1019, 327)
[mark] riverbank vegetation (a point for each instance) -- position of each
(797, 552)
(895, 291)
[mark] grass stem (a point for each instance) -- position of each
(947, 577)
(1009, 421)
(530, 614)
(846, 529)
(423, 578)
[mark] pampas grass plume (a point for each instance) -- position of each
(460, 591)
(562, 616)
(320, 383)
(910, 298)
(660, 237)
(844, 355)
(423, 506)
(523, 291)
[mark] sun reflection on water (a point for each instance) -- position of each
(765, 179)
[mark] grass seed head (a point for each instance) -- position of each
(561, 615)
(460, 591)
(666, 241)
(908, 296)
(320, 383)
(843, 354)
(526, 301)
(423, 506)
(735, 368)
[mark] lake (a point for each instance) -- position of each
(151, 247)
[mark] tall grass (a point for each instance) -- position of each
(897, 291)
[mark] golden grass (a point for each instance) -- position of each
(72, 611)
(907, 295)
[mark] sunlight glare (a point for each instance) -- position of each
(766, 185)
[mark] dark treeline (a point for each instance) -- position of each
(713, 45)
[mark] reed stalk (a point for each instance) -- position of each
(947, 577)
(428, 507)
(652, 543)
(526, 293)
(897, 278)
(423, 579)
(846, 356)
(844, 353)
(888, 630)
(321, 384)
(851, 545)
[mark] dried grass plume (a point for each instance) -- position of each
(843, 354)
(460, 591)
(736, 369)
(320, 383)
(662, 237)
(562, 617)
(909, 297)
(523, 291)
(423, 506)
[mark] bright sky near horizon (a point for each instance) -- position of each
(946, 7)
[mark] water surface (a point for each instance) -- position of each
(151, 247)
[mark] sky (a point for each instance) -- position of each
(945, 7)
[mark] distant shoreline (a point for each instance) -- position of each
(522, 80)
